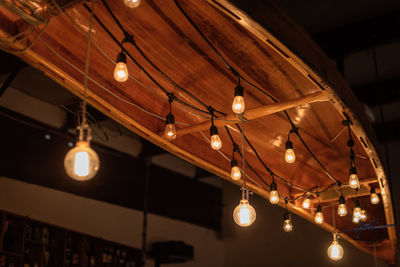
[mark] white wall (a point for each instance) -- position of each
(107, 221)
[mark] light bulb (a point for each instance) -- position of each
(235, 170)
(287, 222)
(216, 143)
(273, 194)
(363, 215)
(238, 102)
(342, 209)
(335, 250)
(306, 203)
(356, 214)
(81, 162)
(170, 131)
(319, 216)
(121, 70)
(244, 214)
(374, 197)
(290, 157)
(132, 3)
(353, 179)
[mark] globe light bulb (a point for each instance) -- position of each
(273, 194)
(335, 250)
(363, 215)
(81, 162)
(342, 209)
(132, 3)
(374, 197)
(353, 178)
(238, 102)
(244, 214)
(121, 70)
(319, 216)
(287, 222)
(306, 203)
(235, 170)
(170, 131)
(216, 143)
(290, 157)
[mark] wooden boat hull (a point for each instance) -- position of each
(266, 47)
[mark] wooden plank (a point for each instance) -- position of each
(254, 113)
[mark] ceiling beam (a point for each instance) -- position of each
(355, 37)
(254, 113)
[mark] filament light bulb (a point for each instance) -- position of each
(374, 197)
(290, 157)
(132, 3)
(216, 143)
(121, 70)
(273, 194)
(244, 214)
(353, 178)
(287, 222)
(319, 216)
(363, 215)
(235, 170)
(335, 250)
(81, 162)
(306, 203)
(238, 102)
(342, 209)
(356, 211)
(170, 131)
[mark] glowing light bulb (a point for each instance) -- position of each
(342, 209)
(287, 222)
(216, 143)
(170, 131)
(235, 170)
(273, 193)
(244, 214)
(81, 162)
(353, 178)
(319, 216)
(335, 250)
(356, 212)
(132, 3)
(306, 203)
(374, 197)
(363, 215)
(238, 102)
(121, 70)
(290, 157)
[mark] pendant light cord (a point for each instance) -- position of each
(245, 190)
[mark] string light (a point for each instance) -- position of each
(273, 194)
(374, 196)
(307, 202)
(290, 157)
(121, 70)
(216, 143)
(335, 250)
(342, 209)
(238, 105)
(287, 220)
(132, 3)
(356, 211)
(81, 162)
(363, 216)
(353, 178)
(319, 216)
(170, 131)
(235, 170)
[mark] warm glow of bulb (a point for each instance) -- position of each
(274, 197)
(374, 198)
(235, 173)
(132, 3)
(244, 214)
(306, 203)
(121, 72)
(353, 181)
(342, 210)
(335, 251)
(287, 225)
(81, 163)
(238, 104)
(170, 131)
(363, 216)
(356, 214)
(216, 143)
(319, 218)
(290, 157)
